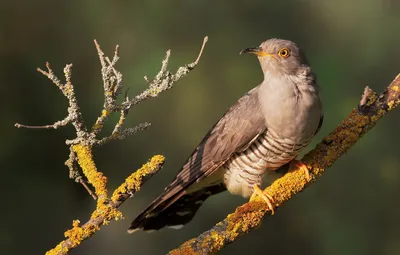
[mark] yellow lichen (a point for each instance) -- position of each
(76, 234)
(96, 126)
(59, 249)
(121, 120)
(216, 239)
(135, 180)
(106, 212)
(68, 89)
(95, 178)
(390, 104)
(100, 121)
(155, 91)
(372, 97)
(186, 250)
(105, 113)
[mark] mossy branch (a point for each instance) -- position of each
(82, 146)
(249, 216)
(107, 210)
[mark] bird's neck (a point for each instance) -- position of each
(288, 101)
(302, 82)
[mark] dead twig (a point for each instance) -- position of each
(81, 146)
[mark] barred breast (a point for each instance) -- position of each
(267, 153)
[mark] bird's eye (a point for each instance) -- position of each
(284, 53)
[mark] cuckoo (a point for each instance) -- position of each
(264, 130)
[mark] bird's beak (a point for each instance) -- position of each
(257, 51)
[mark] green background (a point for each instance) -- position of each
(353, 209)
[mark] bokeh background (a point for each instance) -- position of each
(353, 209)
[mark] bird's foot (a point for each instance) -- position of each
(298, 164)
(268, 199)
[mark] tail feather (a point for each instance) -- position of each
(174, 212)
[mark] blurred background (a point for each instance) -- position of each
(353, 209)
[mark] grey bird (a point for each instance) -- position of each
(264, 130)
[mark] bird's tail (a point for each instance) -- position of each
(173, 213)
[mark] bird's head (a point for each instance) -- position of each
(279, 56)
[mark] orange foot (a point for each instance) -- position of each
(268, 199)
(297, 164)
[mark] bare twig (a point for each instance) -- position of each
(112, 85)
(58, 124)
(118, 134)
(81, 181)
(205, 40)
(164, 79)
(250, 215)
(81, 146)
(50, 74)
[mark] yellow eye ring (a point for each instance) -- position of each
(284, 53)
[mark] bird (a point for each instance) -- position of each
(263, 131)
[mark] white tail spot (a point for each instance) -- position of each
(176, 227)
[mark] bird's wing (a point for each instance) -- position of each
(234, 132)
(321, 120)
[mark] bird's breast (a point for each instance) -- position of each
(267, 153)
(289, 112)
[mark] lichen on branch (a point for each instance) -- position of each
(105, 212)
(81, 147)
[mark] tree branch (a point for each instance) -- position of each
(249, 216)
(104, 213)
(81, 146)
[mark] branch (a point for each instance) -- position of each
(249, 216)
(164, 79)
(104, 213)
(81, 146)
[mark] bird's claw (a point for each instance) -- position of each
(268, 199)
(298, 164)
